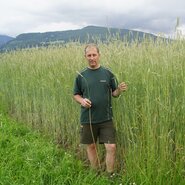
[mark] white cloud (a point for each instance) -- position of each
(56, 26)
(18, 16)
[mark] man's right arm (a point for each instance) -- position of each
(83, 101)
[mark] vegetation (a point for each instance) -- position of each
(36, 88)
(26, 157)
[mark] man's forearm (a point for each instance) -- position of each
(78, 98)
(116, 93)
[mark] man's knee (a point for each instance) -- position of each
(91, 147)
(111, 148)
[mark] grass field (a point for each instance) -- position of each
(36, 88)
(26, 157)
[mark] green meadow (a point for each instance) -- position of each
(26, 157)
(36, 88)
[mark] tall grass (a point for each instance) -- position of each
(36, 87)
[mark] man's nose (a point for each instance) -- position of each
(91, 57)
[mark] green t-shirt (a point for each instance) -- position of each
(97, 85)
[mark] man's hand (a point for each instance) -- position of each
(122, 86)
(86, 103)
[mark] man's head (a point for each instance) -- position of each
(92, 55)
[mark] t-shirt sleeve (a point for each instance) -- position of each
(77, 86)
(114, 82)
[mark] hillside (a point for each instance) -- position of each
(87, 34)
(4, 39)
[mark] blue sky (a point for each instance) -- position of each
(154, 16)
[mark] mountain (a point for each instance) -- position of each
(4, 39)
(86, 34)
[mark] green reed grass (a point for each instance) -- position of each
(36, 87)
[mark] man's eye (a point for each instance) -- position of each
(93, 55)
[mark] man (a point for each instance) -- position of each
(93, 89)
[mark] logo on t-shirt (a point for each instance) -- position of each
(103, 81)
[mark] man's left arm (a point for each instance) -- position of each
(121, 87)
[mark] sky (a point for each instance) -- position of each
(154, 16)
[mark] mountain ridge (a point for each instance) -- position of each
(84, 35)
(4, 39)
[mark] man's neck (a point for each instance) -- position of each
(93, 68)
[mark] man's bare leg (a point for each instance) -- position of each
(92, 155)
(110, 157)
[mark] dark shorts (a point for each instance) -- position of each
(103, 132)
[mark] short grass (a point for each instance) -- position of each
(27, 158)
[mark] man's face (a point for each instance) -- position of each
(92, 57)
